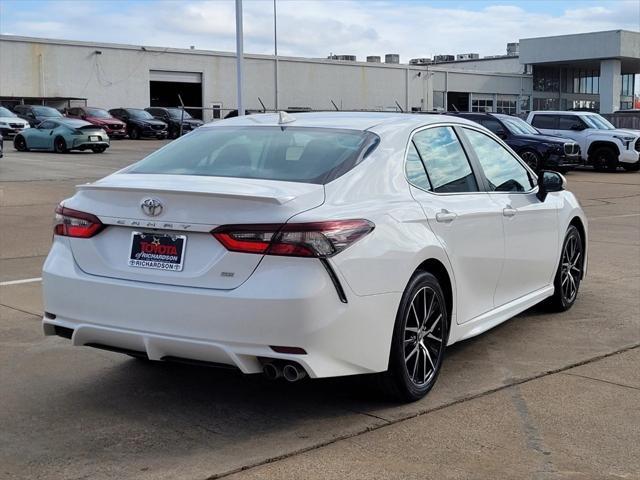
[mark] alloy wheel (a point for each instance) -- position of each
(531, 159)
(423, 336)
(571, 268)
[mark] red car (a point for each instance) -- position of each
(98, 116)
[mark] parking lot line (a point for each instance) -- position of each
(18, 282)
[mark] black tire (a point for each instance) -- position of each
(604, 159)
(135, 134)
(569, 273)
(59, 145)
(416, 357)
(631, 168)
(532, 159)
(99, 149)
(174, 133)
(20, 144)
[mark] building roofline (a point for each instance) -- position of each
(581, 34)
(253, 56)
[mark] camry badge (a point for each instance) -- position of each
(151, 207)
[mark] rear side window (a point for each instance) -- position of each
(549, 122)
(447, 165)
(294, 154)
(415, 169)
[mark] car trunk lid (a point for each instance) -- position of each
(191, 206)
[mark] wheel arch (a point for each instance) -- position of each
(602, 143)
(438, 270)
(577, 222)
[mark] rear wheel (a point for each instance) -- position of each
(20, 144)
(532, 159)
(605, 158)
(569, 273)
(59, 145)
(419, 340)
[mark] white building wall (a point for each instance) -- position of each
(119, 76)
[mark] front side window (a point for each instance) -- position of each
(294, 154)
(415, 169)
(502, 170)
(570, 122)
(447, 164)
(493, 125)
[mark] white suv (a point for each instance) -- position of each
(602, 145)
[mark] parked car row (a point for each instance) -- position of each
(152, 122)
(563, 140)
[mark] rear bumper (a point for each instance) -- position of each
(286, 302)
(86, 144)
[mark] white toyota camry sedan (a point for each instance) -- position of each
(320, 244)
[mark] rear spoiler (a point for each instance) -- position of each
(273, 199)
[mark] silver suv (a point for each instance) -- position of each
(602, 145)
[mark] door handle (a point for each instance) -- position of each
(509, 211)
(445, 216)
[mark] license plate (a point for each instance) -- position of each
(94, 138)
(158, 251)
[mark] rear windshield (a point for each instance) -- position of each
(293, 154)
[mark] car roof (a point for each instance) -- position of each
(344, 120)
(561, 112)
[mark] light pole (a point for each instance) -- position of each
(239, 57)
(275, 48)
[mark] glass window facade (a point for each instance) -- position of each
(627, 84)
(546, 104)
(506, 106)
(482, 105)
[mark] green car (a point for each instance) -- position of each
(62, 135)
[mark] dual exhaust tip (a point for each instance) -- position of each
(292, 372)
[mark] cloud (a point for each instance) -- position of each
(316, 28)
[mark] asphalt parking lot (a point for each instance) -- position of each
(541, 396)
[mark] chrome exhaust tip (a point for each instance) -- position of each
(271, 371)
(293, 372)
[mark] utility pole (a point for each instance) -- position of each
(275, 48)
(239, 57)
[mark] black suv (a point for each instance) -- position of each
(34, 114)
(537, 150)
(173, 116)
(140, 123)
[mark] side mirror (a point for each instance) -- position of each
(502, 134)
(549, 181)
(577, 127)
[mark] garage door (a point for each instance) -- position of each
(178, 77)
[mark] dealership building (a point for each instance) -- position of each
(592, 70)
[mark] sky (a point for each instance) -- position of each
(316, 28)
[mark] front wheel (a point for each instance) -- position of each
(20, 144)
(532, 159)
(135, 134)
(605, 158)
(419, 340)
(569, 273)
(59, 145)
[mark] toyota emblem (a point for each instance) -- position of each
(151, 207)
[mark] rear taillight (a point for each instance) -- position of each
(317, 239)
(72, 223)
